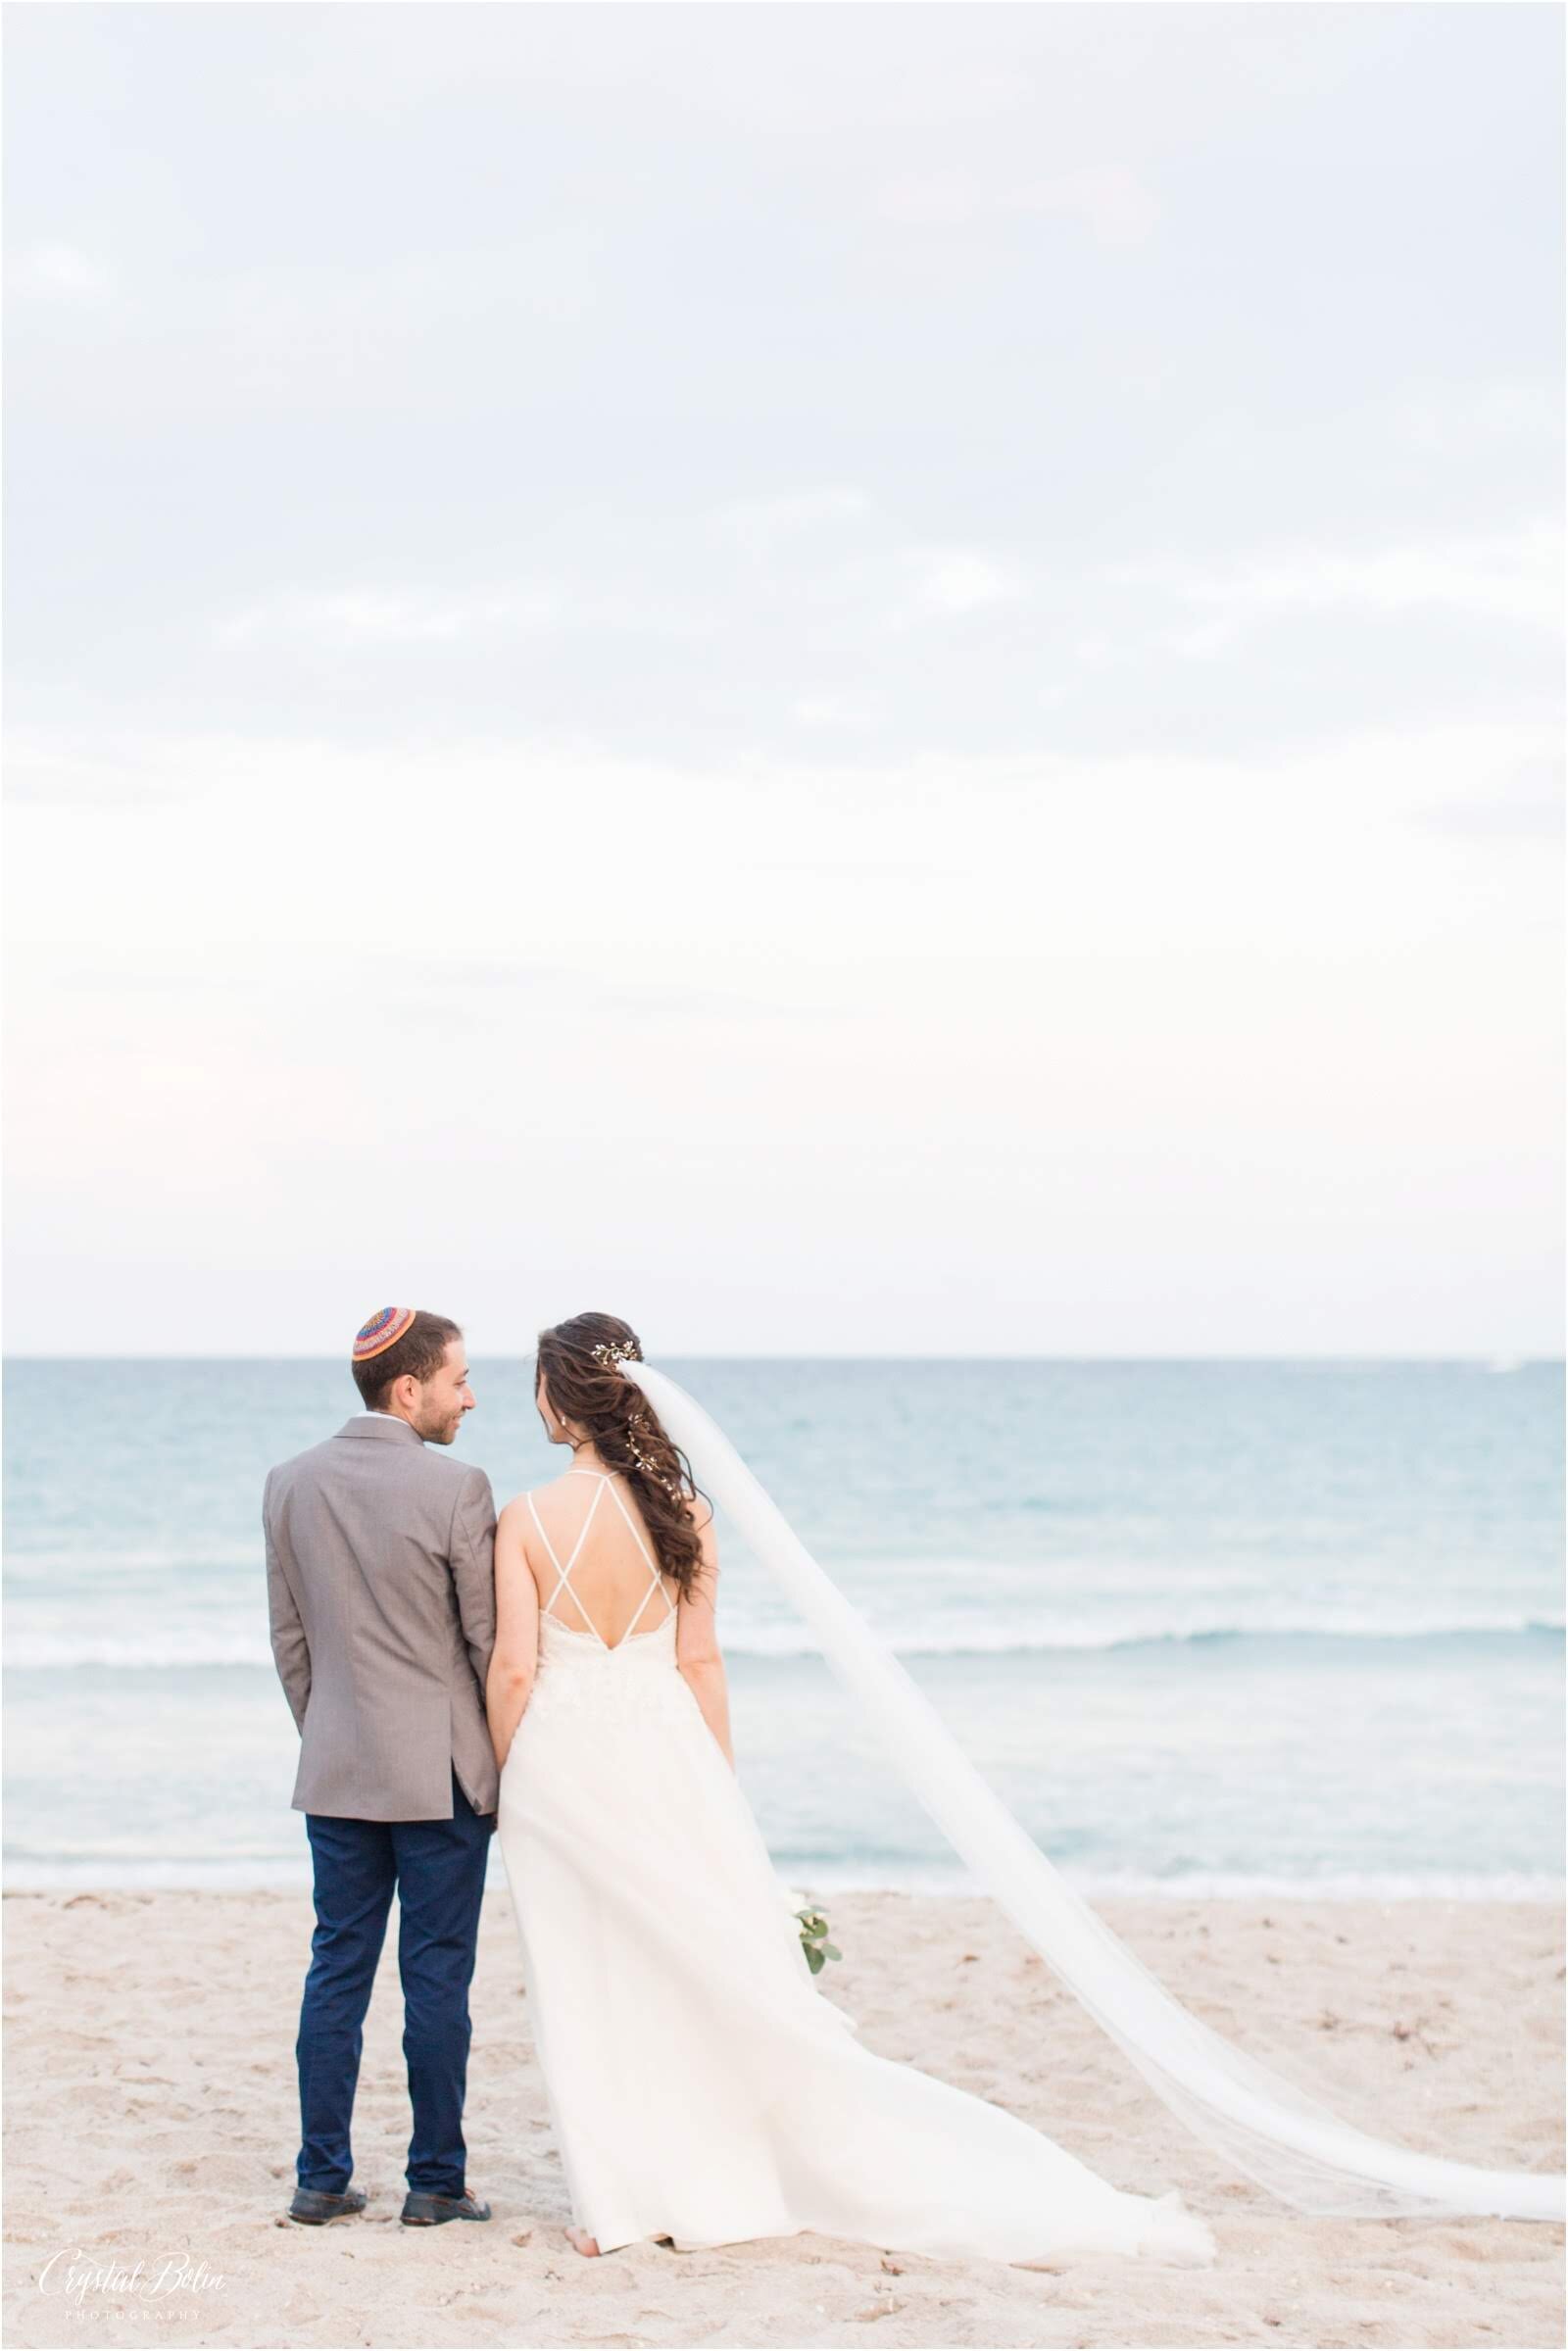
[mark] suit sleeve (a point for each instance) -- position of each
(471, 1550)
(291, 1652)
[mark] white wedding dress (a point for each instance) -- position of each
(701, 2085)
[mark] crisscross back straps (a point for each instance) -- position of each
(564, 1573)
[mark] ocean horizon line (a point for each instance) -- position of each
(1497, 1359)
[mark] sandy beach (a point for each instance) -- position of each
(151, 2119)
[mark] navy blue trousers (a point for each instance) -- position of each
(438, 1869)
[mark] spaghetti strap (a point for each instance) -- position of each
(564, 1573)
(657, 1582)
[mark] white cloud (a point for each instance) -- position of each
(960, 579)
(55, 272)
(1511, 575)
(1106, 852)
(1453, 421)
(799, 70)
(64, 767)
(1114, 202)
(372, 616)
(831, 711)
(1496, 820)
(759, 524)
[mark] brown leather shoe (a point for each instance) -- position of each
(423, 2211)
(314, 2205)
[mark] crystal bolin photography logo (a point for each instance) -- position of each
(83, 2274)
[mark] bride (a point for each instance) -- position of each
(701, 2087)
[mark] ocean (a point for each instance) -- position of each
(1206, 1627)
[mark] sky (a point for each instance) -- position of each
(851, 680)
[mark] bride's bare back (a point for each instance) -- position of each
(589, 1553)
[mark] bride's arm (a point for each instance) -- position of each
(515, 1658)
(696, 1649)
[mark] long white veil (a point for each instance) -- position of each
(1260, 2123)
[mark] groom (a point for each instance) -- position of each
(380, 1579)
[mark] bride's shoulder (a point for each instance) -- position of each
(518, 1512)
(549, 1499)
(520, 1505)
(521, 1523)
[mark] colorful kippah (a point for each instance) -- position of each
(382, 1330)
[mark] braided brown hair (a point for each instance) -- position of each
(588, 1387)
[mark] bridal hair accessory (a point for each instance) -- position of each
(612, 1353)
(1264, 2124)
(382, 1330)
(638, 1427)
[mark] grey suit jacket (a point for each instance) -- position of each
(380, 1579)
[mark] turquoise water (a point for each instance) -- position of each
(1206, 1627)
